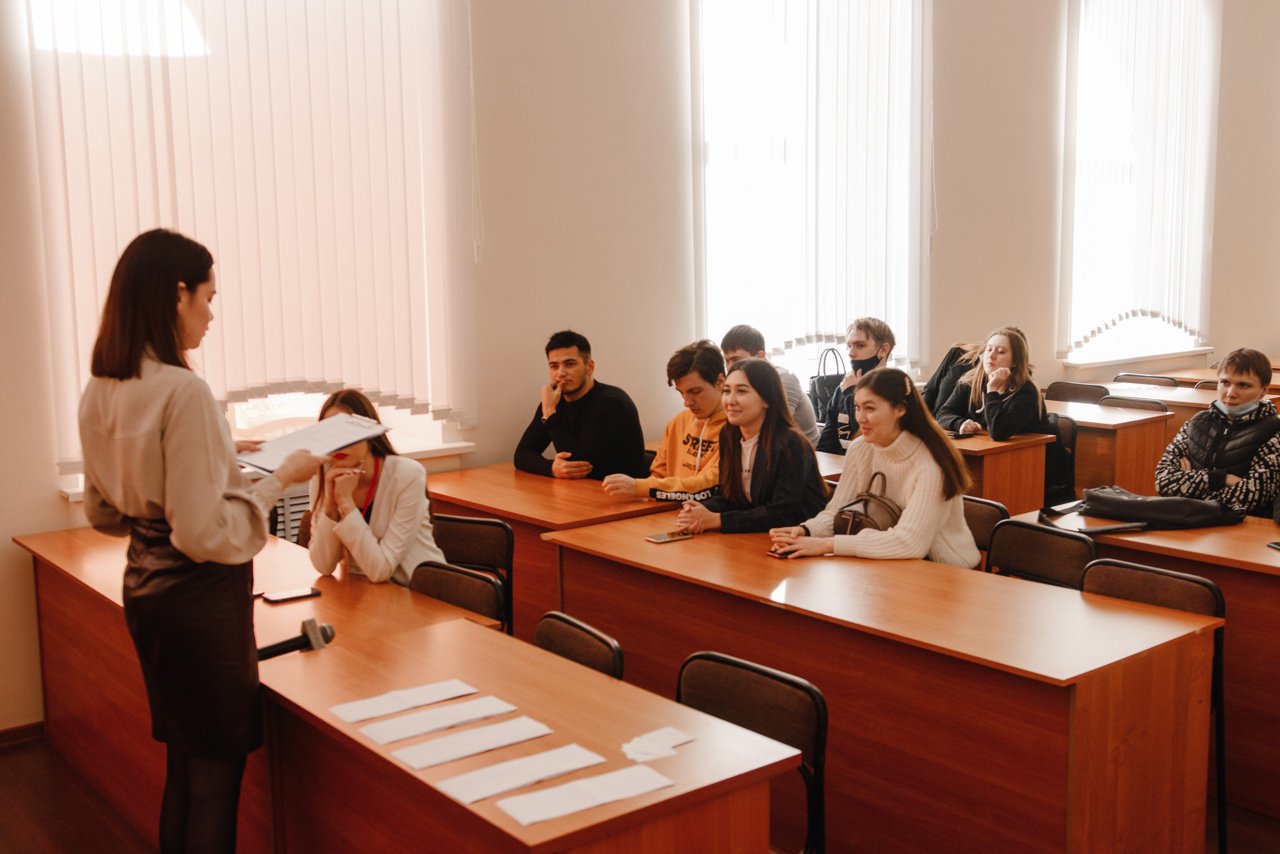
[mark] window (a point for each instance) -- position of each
(1141, 124)
(814, 169)
(318, 150)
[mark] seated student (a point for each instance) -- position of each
(768, 472)
(1231, 451)
(997, 395)
(923, 474)
(594, 427)
(369, 506)
(958, 361)
(688, 460)
(870, 343)
(746, 342)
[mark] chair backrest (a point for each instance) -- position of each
(1138, 583)
(1040, 553)
(1059, 458)
(479, 592)
(1146, 379)
(1077, 392)
(1207, 384)
(1133, 403)
(573, 639)
(778, 705)
(982, 515)
(487, 545)
(304, 529)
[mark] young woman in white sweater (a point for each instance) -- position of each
(924, 475)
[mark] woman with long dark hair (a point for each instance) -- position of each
(924, 475)
(369, 506)
(768, 472)
(160, 467)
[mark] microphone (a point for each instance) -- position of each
(314, 636)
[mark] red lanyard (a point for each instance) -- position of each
(373, 487)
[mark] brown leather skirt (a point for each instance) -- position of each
(192, 625)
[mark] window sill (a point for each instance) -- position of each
(1131, 360)
(438, 455)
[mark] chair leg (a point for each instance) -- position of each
(1220, 746)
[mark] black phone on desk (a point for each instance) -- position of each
(669, 537)
(275, 597)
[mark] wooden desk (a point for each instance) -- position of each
(531, 505)
(1011, 472)
(1191, 376)
(1115, 446)
(1183, 402)
(1237, 559)
(968, 711)
(319, 785)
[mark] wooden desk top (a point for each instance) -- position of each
(982, 445)
(1104, 417)
(352, 605)
(579, 704)
(1191, 376)
(1242, 546)
(546, 502)
(1049, 634)
(1180, 397)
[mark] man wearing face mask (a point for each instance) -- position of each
(1231, 451)
(870, 342)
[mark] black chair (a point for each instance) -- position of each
(1146, 379)
(1134, 403)
(778, 705)
(478, 592)
(573, 639)
(1076, 392)
(1039, 553)
(1207, 384)
(1059, 458)
(487, 545)
(1138, 583)
(982, 515)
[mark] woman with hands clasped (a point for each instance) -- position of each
(997, 396)
(768, 471)
(369, 507)
(924, 476)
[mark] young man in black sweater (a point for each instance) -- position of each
(594, 427)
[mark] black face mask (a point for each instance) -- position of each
(864, 365)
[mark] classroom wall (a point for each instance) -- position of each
(584, 142)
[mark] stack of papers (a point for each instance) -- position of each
(583, 794)
(518, 773)
(420, 723)
(470, 742)
(656, 744)
(323, 438)
(398, 701)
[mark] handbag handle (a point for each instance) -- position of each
(871, 484)
(822, 360)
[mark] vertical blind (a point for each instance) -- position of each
(1142, 114)
(814, 161)
(321, 149)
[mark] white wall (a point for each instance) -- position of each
(585, 164)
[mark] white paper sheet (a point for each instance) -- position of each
(583, 794)
(469, 742)
(518, 773)
(656, 744)
(420, 723)
(323, 437)
(399, 701)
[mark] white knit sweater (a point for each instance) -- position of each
(930, 526)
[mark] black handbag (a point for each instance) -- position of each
(823, 384)
(1149, 512)
(869, 510)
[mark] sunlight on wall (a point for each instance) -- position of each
(116, 28)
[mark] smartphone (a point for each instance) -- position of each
(669, 537)
(278, 596)
(779, 555)
(1275, 546)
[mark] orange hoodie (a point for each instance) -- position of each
(688, 460)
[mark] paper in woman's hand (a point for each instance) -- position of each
(322, 438)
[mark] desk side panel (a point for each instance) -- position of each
(925, 752)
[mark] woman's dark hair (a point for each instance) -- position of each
(896, 389)
(141, 312)
(779, 428)
(356, 403)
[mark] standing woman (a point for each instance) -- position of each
(160, 466)
(997, 396)
(923, 475)
(768, 472)
(369, 507)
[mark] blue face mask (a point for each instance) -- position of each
(1238, 410)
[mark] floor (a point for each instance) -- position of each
(46, 807)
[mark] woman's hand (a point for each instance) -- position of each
(801, 546)
(998, 381)
(299, 467)
(792, 532)
(695, 518)
(970, 427)
(344, 483)
(621, 485)
(245, 445)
